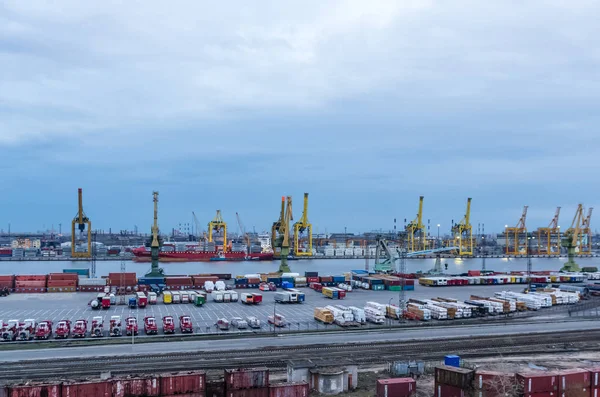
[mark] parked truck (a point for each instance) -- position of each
(150, 326)
(239, 323)
(185, 325)
(277, 320)
(289, 297)
(106, 302)
(253, 322)
(63, 329)
(9, 331)
(222, 324)
(115, 326)
(43, 330)
(131, 326)
(167, 297)
(168, 325)
(80, 328)
(97, 330)
(26, 329)
(95, 305)
(199, 298)
(251, 299)
(142, 299)
(152, 298)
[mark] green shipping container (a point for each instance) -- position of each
(81, 272)
(377, 287)
(394, 288)
(200, 300)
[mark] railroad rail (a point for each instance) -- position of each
(277, 357)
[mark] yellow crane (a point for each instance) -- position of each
(276, 228)
(416, 233)
(463, 233)
(284, 238)
(155, 271)
(585, 244)
(572, 239)
(516, 237)
(216, 225)
(299, 227)
(82, 221)
(549, 237)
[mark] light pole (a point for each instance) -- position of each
(438, 239)
(274, 314)
(386, 313)
(529, 265)
(505, 240)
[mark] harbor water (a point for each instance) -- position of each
(323, 266)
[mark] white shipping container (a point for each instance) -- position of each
(217, 296)
(220, 286)
(92, 282)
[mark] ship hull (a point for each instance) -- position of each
(141, 255)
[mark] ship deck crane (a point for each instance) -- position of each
(300, 227)
(416, 231)
(155, 270)
(243, 233)
(216, 225)
(284, 239)
(572, 239)
(276, 228)
(516, 237)
(549, 237)
(82, 222)
(463, 233)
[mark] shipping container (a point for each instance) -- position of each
(246, 378)
(595, 376)
(182, 383)
(494, 381)
(52, 390)
(449, 391)
(574, 379)
(452, 376)
(396, 387)
(290, 389)
(86, 389)
(256, 392)
(139, 386)
(537, 382)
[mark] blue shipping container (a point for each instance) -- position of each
(288, 279)
(452, 361)
(241, 281)
(286, 284)
(274, 280)
(81, 272)
(301, 297)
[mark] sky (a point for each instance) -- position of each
(364, 105)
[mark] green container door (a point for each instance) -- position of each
(200, 300)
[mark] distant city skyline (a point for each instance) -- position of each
(364, 105)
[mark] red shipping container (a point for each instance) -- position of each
(538, 382)
(254, 280)
(542, 394)
(182, 383)
(30, 277)
(595, 392)
(53, 390)
(126, 387)
(574, 379)
(247, 378)
(326, 279)
(595, 377)
(63, 276)
(290, 389)
(448, 391)
(86, 389)
(312, 279)
(396, 387)
(494, 381)
(256, 392)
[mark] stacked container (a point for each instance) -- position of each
(179, 282)
(30, 283)
(290, 389)
(7, 282)
(574, 383)
(396, 387)
(191, 383)
(250, 382)
(494, 384)
(91, 388)
(595, 382)
(452, 381)
(200, 279)
(129, 279)
(62, 282)
(537, 384)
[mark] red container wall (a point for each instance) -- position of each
(595, 377)
(130, 387)
(396, 387)
(87, 389)
(452, 376)
(542, 394)
(448, 391)
(29, 277)
(63, 276)
(183, 382)
(538, 382)
(298, 389)
(246, 378)
(491, 380)
(178, 281)
(574, 379)
(35, 391)
(256, 392)
(595, 392)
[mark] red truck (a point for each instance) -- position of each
(142, 299)
(168, 325)
(150, 326)
(131, 326)
(63, 329)
(27, 330)
(251, 299)
(80, 329)
(97, 330)
(9, 330)
(106, 302)
(185, 325)
(44, 330)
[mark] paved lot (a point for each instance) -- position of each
(74, 306)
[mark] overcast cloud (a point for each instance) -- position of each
(366, 105)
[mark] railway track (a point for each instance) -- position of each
(277, 357)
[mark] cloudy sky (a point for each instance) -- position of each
(366, 105)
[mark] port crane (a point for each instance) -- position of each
(300, 227)
(516, 237)
(276, 228)
(385, 258)
(82, 221)
(243, 233)
(549, 237)
(155, 270)
(572, 240)
(585, 245)
(283, 240)
(216, 225)
(416, 232)
(463, 233)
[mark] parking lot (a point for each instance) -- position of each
(74, 306)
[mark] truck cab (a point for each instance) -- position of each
(152, 298)
(131, 326)
(63, 329)
(115, 326)
(253, 322)
(277, 320)
(132, 303)
(168, 325)
(27, 329)
(9, 332)
(80, 329)
(106, 302)
(44, 330)
(150, 326)
(185, 325)
(223, 324)
(142, 299)
(97, 330)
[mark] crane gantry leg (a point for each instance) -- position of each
(303, 225)
(82, 222)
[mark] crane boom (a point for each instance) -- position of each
(215, 225)
(516, 237)
(417, 243)
(276, 228)
(463, 233)
(548, 238)
(285, 232)
(299, 227)
(82, 222)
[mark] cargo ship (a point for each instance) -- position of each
(142, 254)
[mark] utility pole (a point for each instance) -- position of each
(484, 253)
